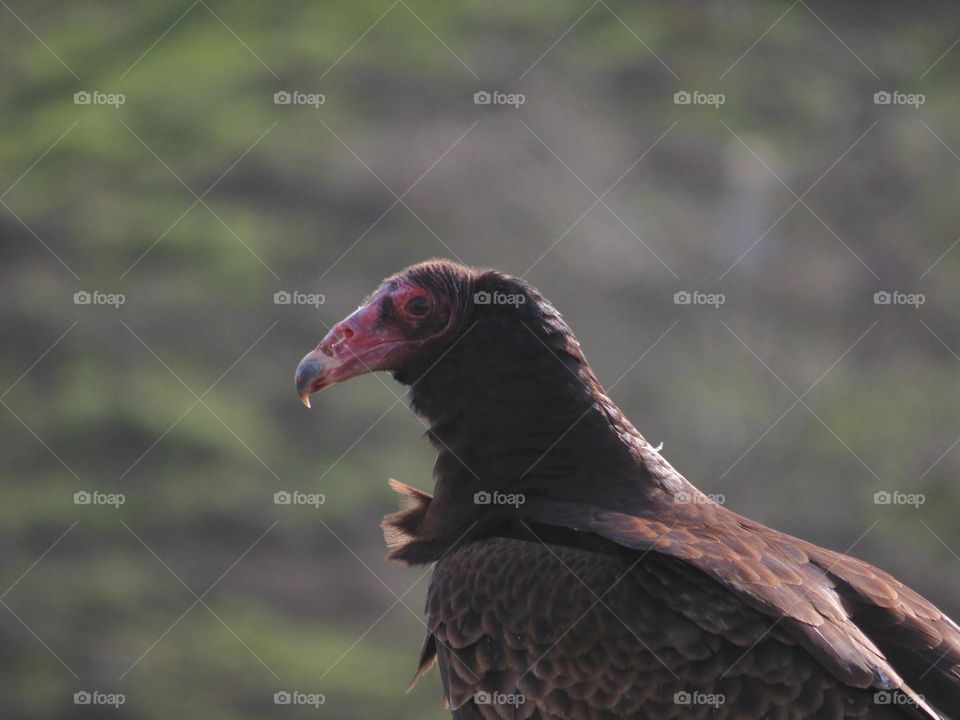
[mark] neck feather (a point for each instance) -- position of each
(514, 408)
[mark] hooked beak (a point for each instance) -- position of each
(309, 376)
(356, 345)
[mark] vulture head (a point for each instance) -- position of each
(470, 341)
(403, 325)
(452, 332)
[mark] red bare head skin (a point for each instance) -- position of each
(410, 310)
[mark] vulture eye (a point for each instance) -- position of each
(418, 306)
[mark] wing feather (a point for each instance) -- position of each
(578, 634)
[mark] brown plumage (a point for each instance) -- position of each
(578, 575)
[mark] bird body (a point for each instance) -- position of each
(577, 574)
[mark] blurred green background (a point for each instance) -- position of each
(199, 197)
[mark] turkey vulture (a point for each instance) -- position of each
(577, 574)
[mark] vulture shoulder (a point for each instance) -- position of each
(865, 627)
(635, 635)
(742, 592)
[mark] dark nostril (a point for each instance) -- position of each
(338, 335)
